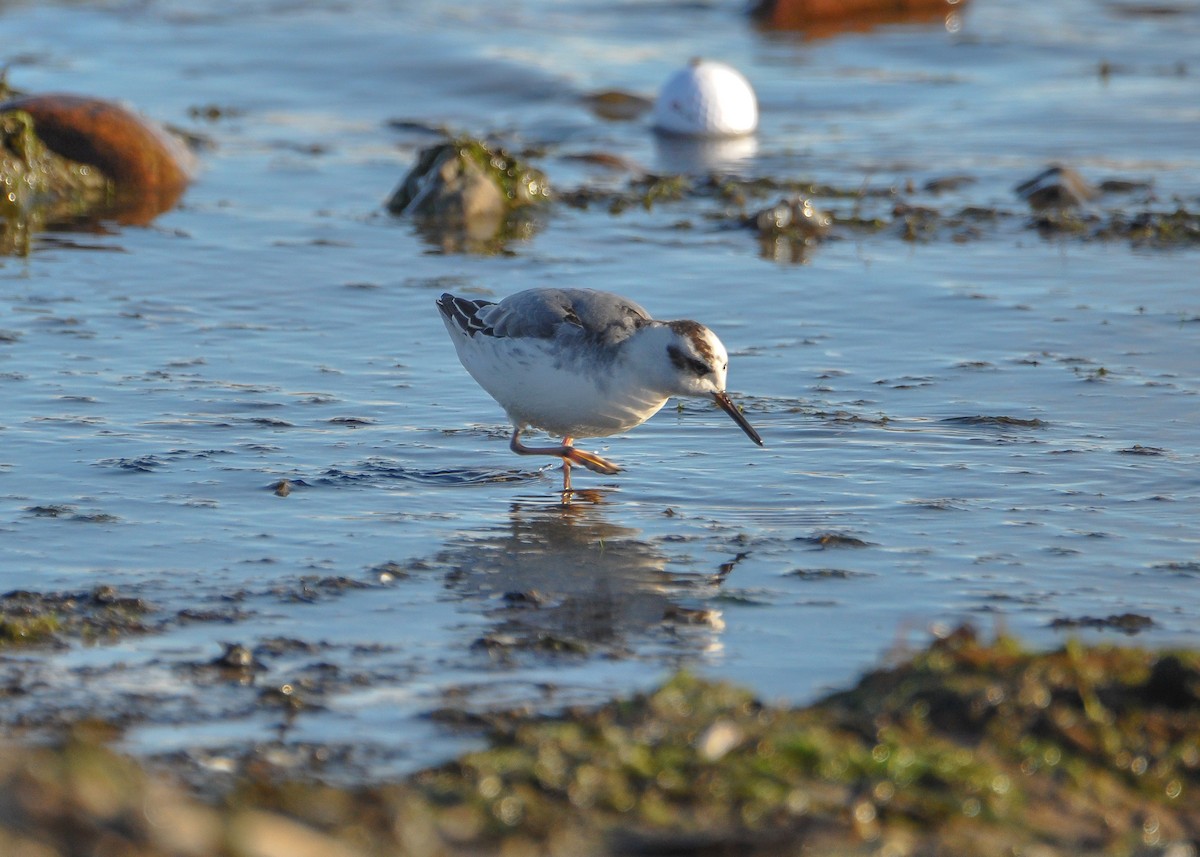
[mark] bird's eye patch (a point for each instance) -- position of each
(687, 364)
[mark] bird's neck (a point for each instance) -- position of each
(645, 357)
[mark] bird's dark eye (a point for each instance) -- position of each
(687, 364)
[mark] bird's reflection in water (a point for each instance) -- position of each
(564, 579)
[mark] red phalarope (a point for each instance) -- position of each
(583, 363)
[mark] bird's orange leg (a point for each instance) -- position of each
(569, 455)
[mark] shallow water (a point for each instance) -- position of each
(999, 429)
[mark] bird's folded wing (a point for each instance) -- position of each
(549, 313)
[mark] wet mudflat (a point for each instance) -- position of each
(967, 747)
(972, 407)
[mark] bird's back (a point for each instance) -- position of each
(602, 317)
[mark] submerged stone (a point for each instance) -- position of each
(1056, 187)
(796, 217)
(466, 192)
(617, 106)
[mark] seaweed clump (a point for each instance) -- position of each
(41, 619)
(967, 748)
(37, 186)
(1144, 229)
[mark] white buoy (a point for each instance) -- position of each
(706, 99)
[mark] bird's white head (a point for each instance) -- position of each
(693, 362)
(697, 360)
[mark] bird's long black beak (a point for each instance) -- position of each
(730, 408)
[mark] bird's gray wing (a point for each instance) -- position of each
(549, 313)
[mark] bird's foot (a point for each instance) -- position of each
(590, 460)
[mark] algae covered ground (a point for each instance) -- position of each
(965, 747)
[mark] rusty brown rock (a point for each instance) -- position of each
(139, 156)
(821, 18)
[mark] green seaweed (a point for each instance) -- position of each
(522, 184)
(38, 187)
(27, 630)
